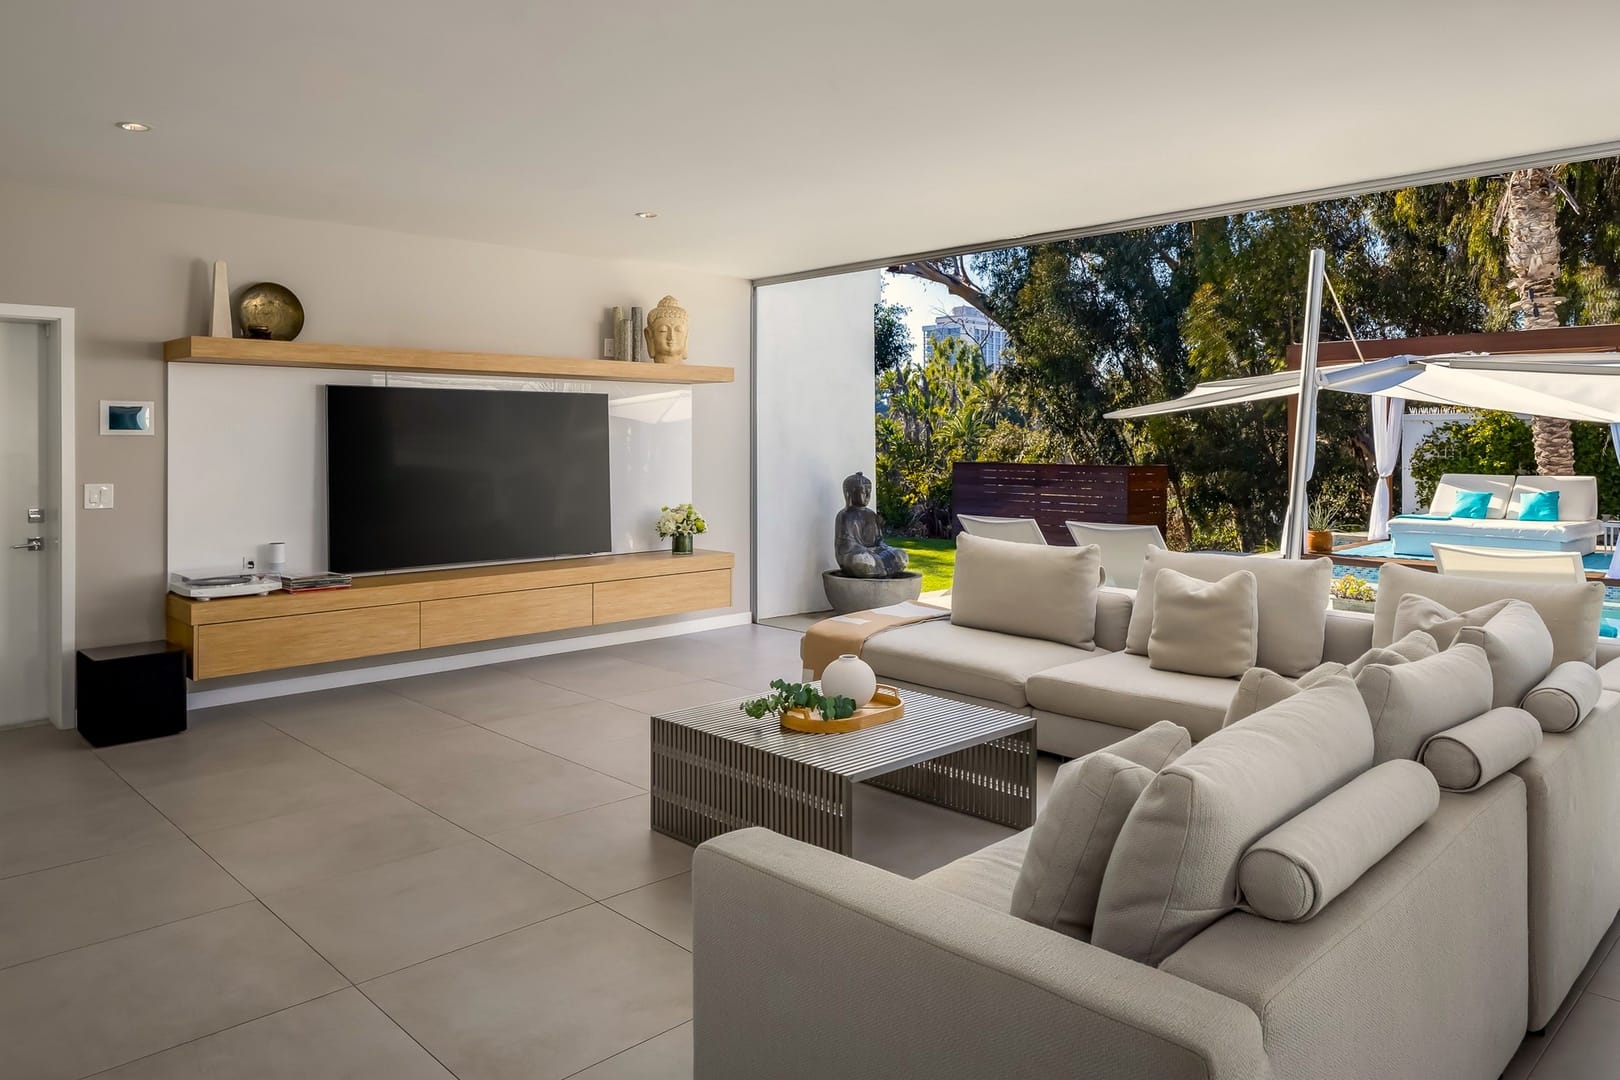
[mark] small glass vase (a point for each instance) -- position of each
(681, 543)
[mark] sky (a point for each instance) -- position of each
(926, 299)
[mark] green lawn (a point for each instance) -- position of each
(935, 558)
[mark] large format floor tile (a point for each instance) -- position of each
(71, 1014)
(339, 1035)
(664, 907)
(217, 799)
(686, 695)
(215, 741)
(597, 675)
(544, 1002)
(504, 798)
(385, 917)
(436, 759)
(556, 730)
(603, 851)
(664, 1057)
(40, 766)
(333, 719)
(50, 911)
(482, 694)
(57, 833)
(1587, 1047)
(295, 849)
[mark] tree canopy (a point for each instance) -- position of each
(1106, 322)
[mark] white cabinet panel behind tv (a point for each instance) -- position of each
(247, 457)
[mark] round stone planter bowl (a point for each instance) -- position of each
(847, 593)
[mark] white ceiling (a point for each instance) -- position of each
(775, 137)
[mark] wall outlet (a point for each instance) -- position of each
(98, 496)
(249, 562)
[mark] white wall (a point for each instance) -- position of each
(813, 403)
(1416, 427)
(137, 273)
(266, 423)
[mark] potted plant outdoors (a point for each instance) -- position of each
(1320, 522)
(1352, 592)
(680, 523)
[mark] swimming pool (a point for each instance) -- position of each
(1611, 595)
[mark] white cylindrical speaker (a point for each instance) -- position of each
(275, 558)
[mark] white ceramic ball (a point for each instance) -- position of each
(849, 676)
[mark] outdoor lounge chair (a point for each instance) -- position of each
(1577, 528)
(1016, 530)
(1530, 567)
(1124, 547)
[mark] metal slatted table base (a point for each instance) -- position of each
(714, 770)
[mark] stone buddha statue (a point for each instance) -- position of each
(858, 536)
(666, 332)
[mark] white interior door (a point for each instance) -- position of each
(25, 614)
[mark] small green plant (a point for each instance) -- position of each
(1352, 587)
(798, 696)
(1322, 515)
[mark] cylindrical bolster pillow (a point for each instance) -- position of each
(1478, 751)
(1293, 871)
(1565, 697)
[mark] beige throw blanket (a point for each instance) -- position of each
(831, 638)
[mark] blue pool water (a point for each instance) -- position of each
(1611, 601)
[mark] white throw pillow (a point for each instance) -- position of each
(1573, 611)
(1261, 689)
(1173, 871)
(1030, 590)
(1292, 595)
(1415, 613)
(1519, 648)
(1414, 646)
(1565, 697)
(1407, 703)
(1204, 627)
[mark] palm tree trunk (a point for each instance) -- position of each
(1532, 240)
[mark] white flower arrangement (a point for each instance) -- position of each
(682, 520)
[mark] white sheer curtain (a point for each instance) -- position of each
(1614, 438)
(1386, 429)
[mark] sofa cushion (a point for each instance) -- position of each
(1420, 615)
(986, 876)
(1407, 703)
(1572, 612)
(1497, 488)
(1068, 850)
(1471, 505)
(1518, 647)
(1537, 506)
(1113, 617)
(1173, 871)
(1261, 689)
(960, 659)
(1577, 496)
(1124, 690)
(1293, 871)
(1154, 747)
(1412, 646)
(1204, 627)
(1292, 595)
(1030, 590)
(1565, 697)
(1477, 751)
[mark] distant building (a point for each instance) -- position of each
(972, 325)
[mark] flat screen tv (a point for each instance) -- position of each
(429, 477)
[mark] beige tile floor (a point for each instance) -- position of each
(443, 876)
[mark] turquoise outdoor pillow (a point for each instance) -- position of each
(1542, 506)
(1471, 504)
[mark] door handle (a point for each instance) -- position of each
(33, 543)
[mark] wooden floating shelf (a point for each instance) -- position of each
(256, 352)
(400, 613)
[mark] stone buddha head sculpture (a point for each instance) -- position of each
(666, 332)
(857, 490)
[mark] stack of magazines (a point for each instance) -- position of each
(314, 582)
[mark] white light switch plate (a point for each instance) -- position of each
(98, 496)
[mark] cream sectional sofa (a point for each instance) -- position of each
(1577, 528)
(1554, 896)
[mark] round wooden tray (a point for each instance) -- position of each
(884, 706)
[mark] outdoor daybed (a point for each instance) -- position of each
(1576, 528)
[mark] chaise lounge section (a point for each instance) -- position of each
(1576, 527)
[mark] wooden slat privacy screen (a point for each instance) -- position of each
(1053, 494)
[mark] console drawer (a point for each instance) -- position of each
(236, 648)
(497, 615)
(645, 598)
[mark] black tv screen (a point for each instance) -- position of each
(427, 477)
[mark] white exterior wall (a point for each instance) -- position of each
(813, 411)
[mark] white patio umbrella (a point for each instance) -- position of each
(1572, 386)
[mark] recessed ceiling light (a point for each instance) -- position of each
(134, 125)
(646, 215)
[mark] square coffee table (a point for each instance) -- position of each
(715, 769)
